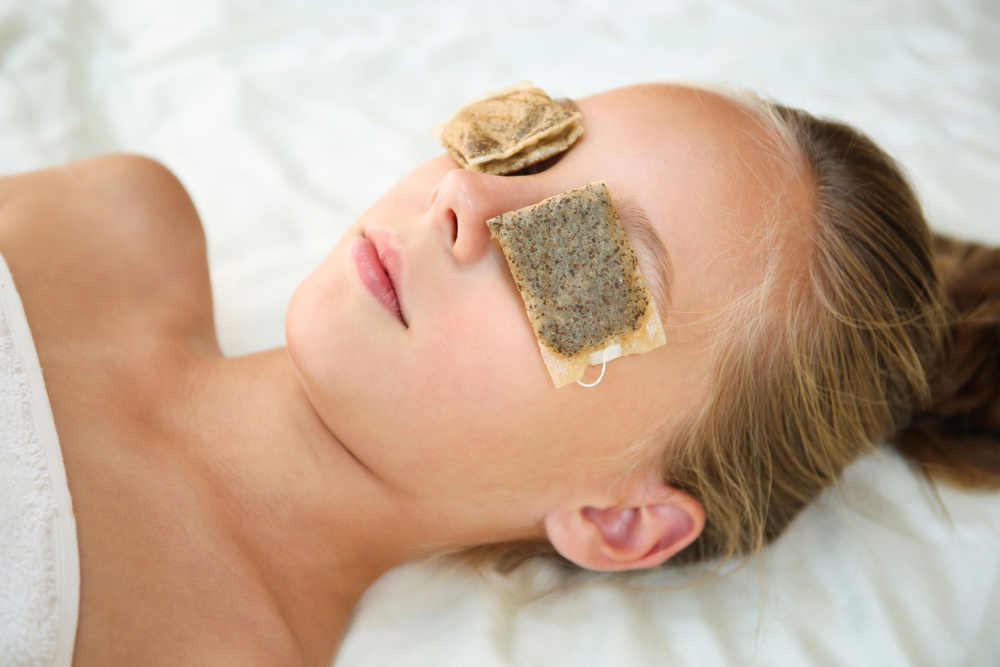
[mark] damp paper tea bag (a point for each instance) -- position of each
(578, 276)
(503, 132)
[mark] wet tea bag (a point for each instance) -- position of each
(578, 276)
(503, 132)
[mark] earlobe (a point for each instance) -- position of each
(644, 529)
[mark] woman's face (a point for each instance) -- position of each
(433, 378)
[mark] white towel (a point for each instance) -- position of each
(39, 566)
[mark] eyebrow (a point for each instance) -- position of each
(636, 220)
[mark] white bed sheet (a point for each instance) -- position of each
(286, 119)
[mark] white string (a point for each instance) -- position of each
(603, 367)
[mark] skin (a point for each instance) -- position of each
(233, 511)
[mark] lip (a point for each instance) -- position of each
(377, 265)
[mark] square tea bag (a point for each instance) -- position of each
(503, 132)
(580, 281)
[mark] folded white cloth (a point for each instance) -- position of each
(39, 565)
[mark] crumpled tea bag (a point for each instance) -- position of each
(503, 132)
(580, 281)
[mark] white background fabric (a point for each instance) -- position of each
(286, 119)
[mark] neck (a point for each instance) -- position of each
(318, 527)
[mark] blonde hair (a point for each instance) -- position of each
(834, 359)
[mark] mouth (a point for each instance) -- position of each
(376, 264)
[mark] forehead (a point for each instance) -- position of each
(711, 175)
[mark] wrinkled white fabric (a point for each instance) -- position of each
(39, 568)
(285, 120)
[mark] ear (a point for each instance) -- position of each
(646, 525)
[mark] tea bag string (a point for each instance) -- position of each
(604, 367)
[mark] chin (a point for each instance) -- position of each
(335, 342)
(313, 328)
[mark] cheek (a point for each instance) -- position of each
(484, 347)
(472, 379)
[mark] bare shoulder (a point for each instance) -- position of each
(106, 242)
(110, 262)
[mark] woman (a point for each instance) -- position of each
(234, 510)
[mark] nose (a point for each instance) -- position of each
(464, 200)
